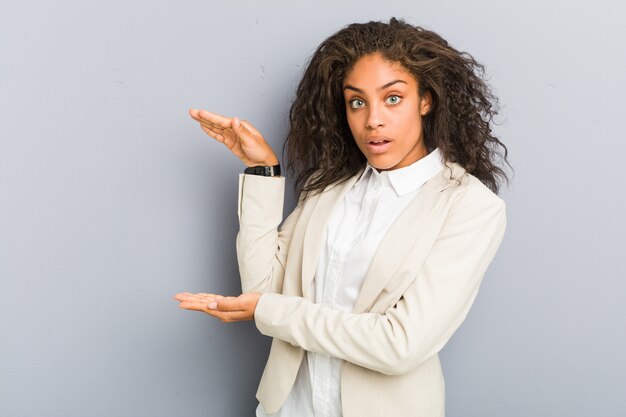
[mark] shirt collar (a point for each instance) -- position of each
(410, 178)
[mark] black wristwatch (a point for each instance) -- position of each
(266, 171)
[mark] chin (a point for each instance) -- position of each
(382, 164)
(382, 167)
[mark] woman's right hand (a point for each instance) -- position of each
(243, 140)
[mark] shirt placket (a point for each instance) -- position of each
(349, 234)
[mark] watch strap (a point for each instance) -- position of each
(266, 171)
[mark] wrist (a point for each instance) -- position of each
(270, 162)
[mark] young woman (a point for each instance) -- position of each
(397, 220)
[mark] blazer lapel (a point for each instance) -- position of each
(316, 228)
(409, 229)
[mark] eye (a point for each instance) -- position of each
(357, 103)
(394, 99)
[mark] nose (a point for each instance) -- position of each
(374, 118)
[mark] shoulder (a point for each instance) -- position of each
(467, 191)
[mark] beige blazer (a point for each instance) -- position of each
(418, 289)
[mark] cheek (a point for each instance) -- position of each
(411, 121)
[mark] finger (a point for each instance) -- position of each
(182, 295)
(204, 294)
(194, 305)
(215, 135)
(233, 143)
(215, 118)
(185, 297)
(194, 298)
(226, 136)
(194, 114)
(208, 298)
(212, 126)
(230, 137)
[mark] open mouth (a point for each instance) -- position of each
(378, 145)
(377, 142)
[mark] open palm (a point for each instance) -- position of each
(240, 137)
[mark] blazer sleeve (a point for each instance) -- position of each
(261, 244)
(425, 317)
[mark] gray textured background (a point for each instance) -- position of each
(112, 200)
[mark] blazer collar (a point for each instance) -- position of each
(395, 245)
(411, 233)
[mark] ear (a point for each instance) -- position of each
(425, 103)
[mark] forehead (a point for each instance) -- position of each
(374, 69)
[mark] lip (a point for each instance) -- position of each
(378, 148)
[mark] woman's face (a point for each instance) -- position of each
(385, 112)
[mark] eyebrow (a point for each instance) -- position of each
(389, 84)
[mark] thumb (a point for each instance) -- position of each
(226, 304)
(250, 128)
(245, 130)
(239, 126)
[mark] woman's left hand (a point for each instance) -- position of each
(227, 309)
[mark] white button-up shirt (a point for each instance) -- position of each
(354, 231)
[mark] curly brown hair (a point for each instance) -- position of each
(319, 146)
